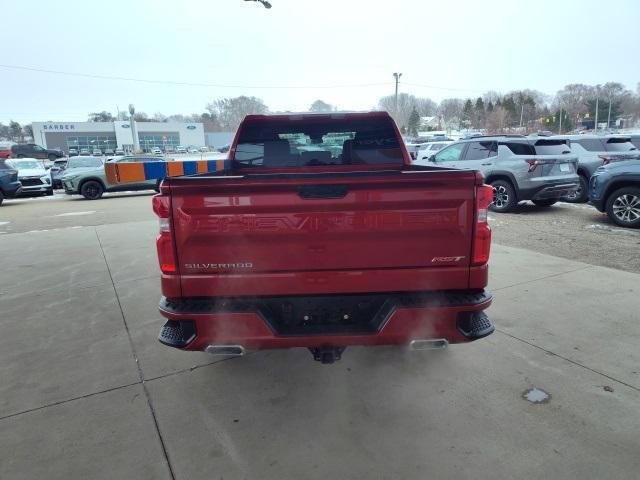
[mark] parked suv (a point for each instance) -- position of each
(10, 186)
(33, 176)
(31, 150)
(594, 151)
(542, 170)
(615, 189)
(85, 175)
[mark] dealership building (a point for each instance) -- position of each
(120, 134)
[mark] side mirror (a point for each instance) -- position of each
(432, 158)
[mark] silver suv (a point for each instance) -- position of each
(542, 170)
(594, 151)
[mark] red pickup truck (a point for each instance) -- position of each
(323, 235)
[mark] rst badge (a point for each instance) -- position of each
(447, 259)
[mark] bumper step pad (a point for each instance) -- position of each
(177, 333)
(475, 325)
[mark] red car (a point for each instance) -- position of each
(323, 235)
(5, 151)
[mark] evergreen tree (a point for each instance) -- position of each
(414, 122)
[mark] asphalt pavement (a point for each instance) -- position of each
(86, 391)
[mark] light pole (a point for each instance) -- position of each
(397, 77)
(609, 115)
(595, 125)
(132, 124)
(560, 128)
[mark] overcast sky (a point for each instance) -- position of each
(451, 49)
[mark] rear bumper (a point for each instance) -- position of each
(549, 190)
(196, 323)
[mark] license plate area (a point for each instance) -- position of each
(354, 314)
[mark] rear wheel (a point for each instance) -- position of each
(623, 207)
(544, 203)
(49, 192)
(1, 197)
(92, 190)
(504, 196)
(582, 194)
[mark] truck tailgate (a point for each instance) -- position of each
(258, 226)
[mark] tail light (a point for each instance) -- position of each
(534, 162)
(482, 231)
(164, 241)
(606, 159)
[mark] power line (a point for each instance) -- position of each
(187, 84)
(444, 88)
(223, 85)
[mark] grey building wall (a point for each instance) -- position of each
(218, 139)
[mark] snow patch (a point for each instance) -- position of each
(612, 230)
(4, 223)
(72, 214)
(536, 395)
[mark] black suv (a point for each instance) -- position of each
(31, 150)
(10, 186)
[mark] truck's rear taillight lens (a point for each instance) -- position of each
(164, 242)
(481, 231)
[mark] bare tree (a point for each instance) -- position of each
(491, 96)
(320, 106)
(102, 116)
(15, 131)
(406, 104)
(141, 117)
(573, 98)
(27, 130)
(426, 107)
(450, 109)
(231, 111)
(497, 120)
(159, 117)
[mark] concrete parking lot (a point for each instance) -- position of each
(86, 391)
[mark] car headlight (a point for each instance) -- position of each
(46, 179)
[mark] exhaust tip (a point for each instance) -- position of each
(227, 350)
(429, 344)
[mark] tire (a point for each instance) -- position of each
(49, 193)
(582, 194)
(504, 197)
(544, 203)
(623, 207)
(1, 197)
(91, 190)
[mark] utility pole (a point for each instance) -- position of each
(521, 114)
(609, 115)
(595, 125)
(397, 77)
(560, 129)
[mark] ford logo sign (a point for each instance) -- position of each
(125, 125)
(191, 127)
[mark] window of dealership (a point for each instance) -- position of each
(160, 140)
(91, 142)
